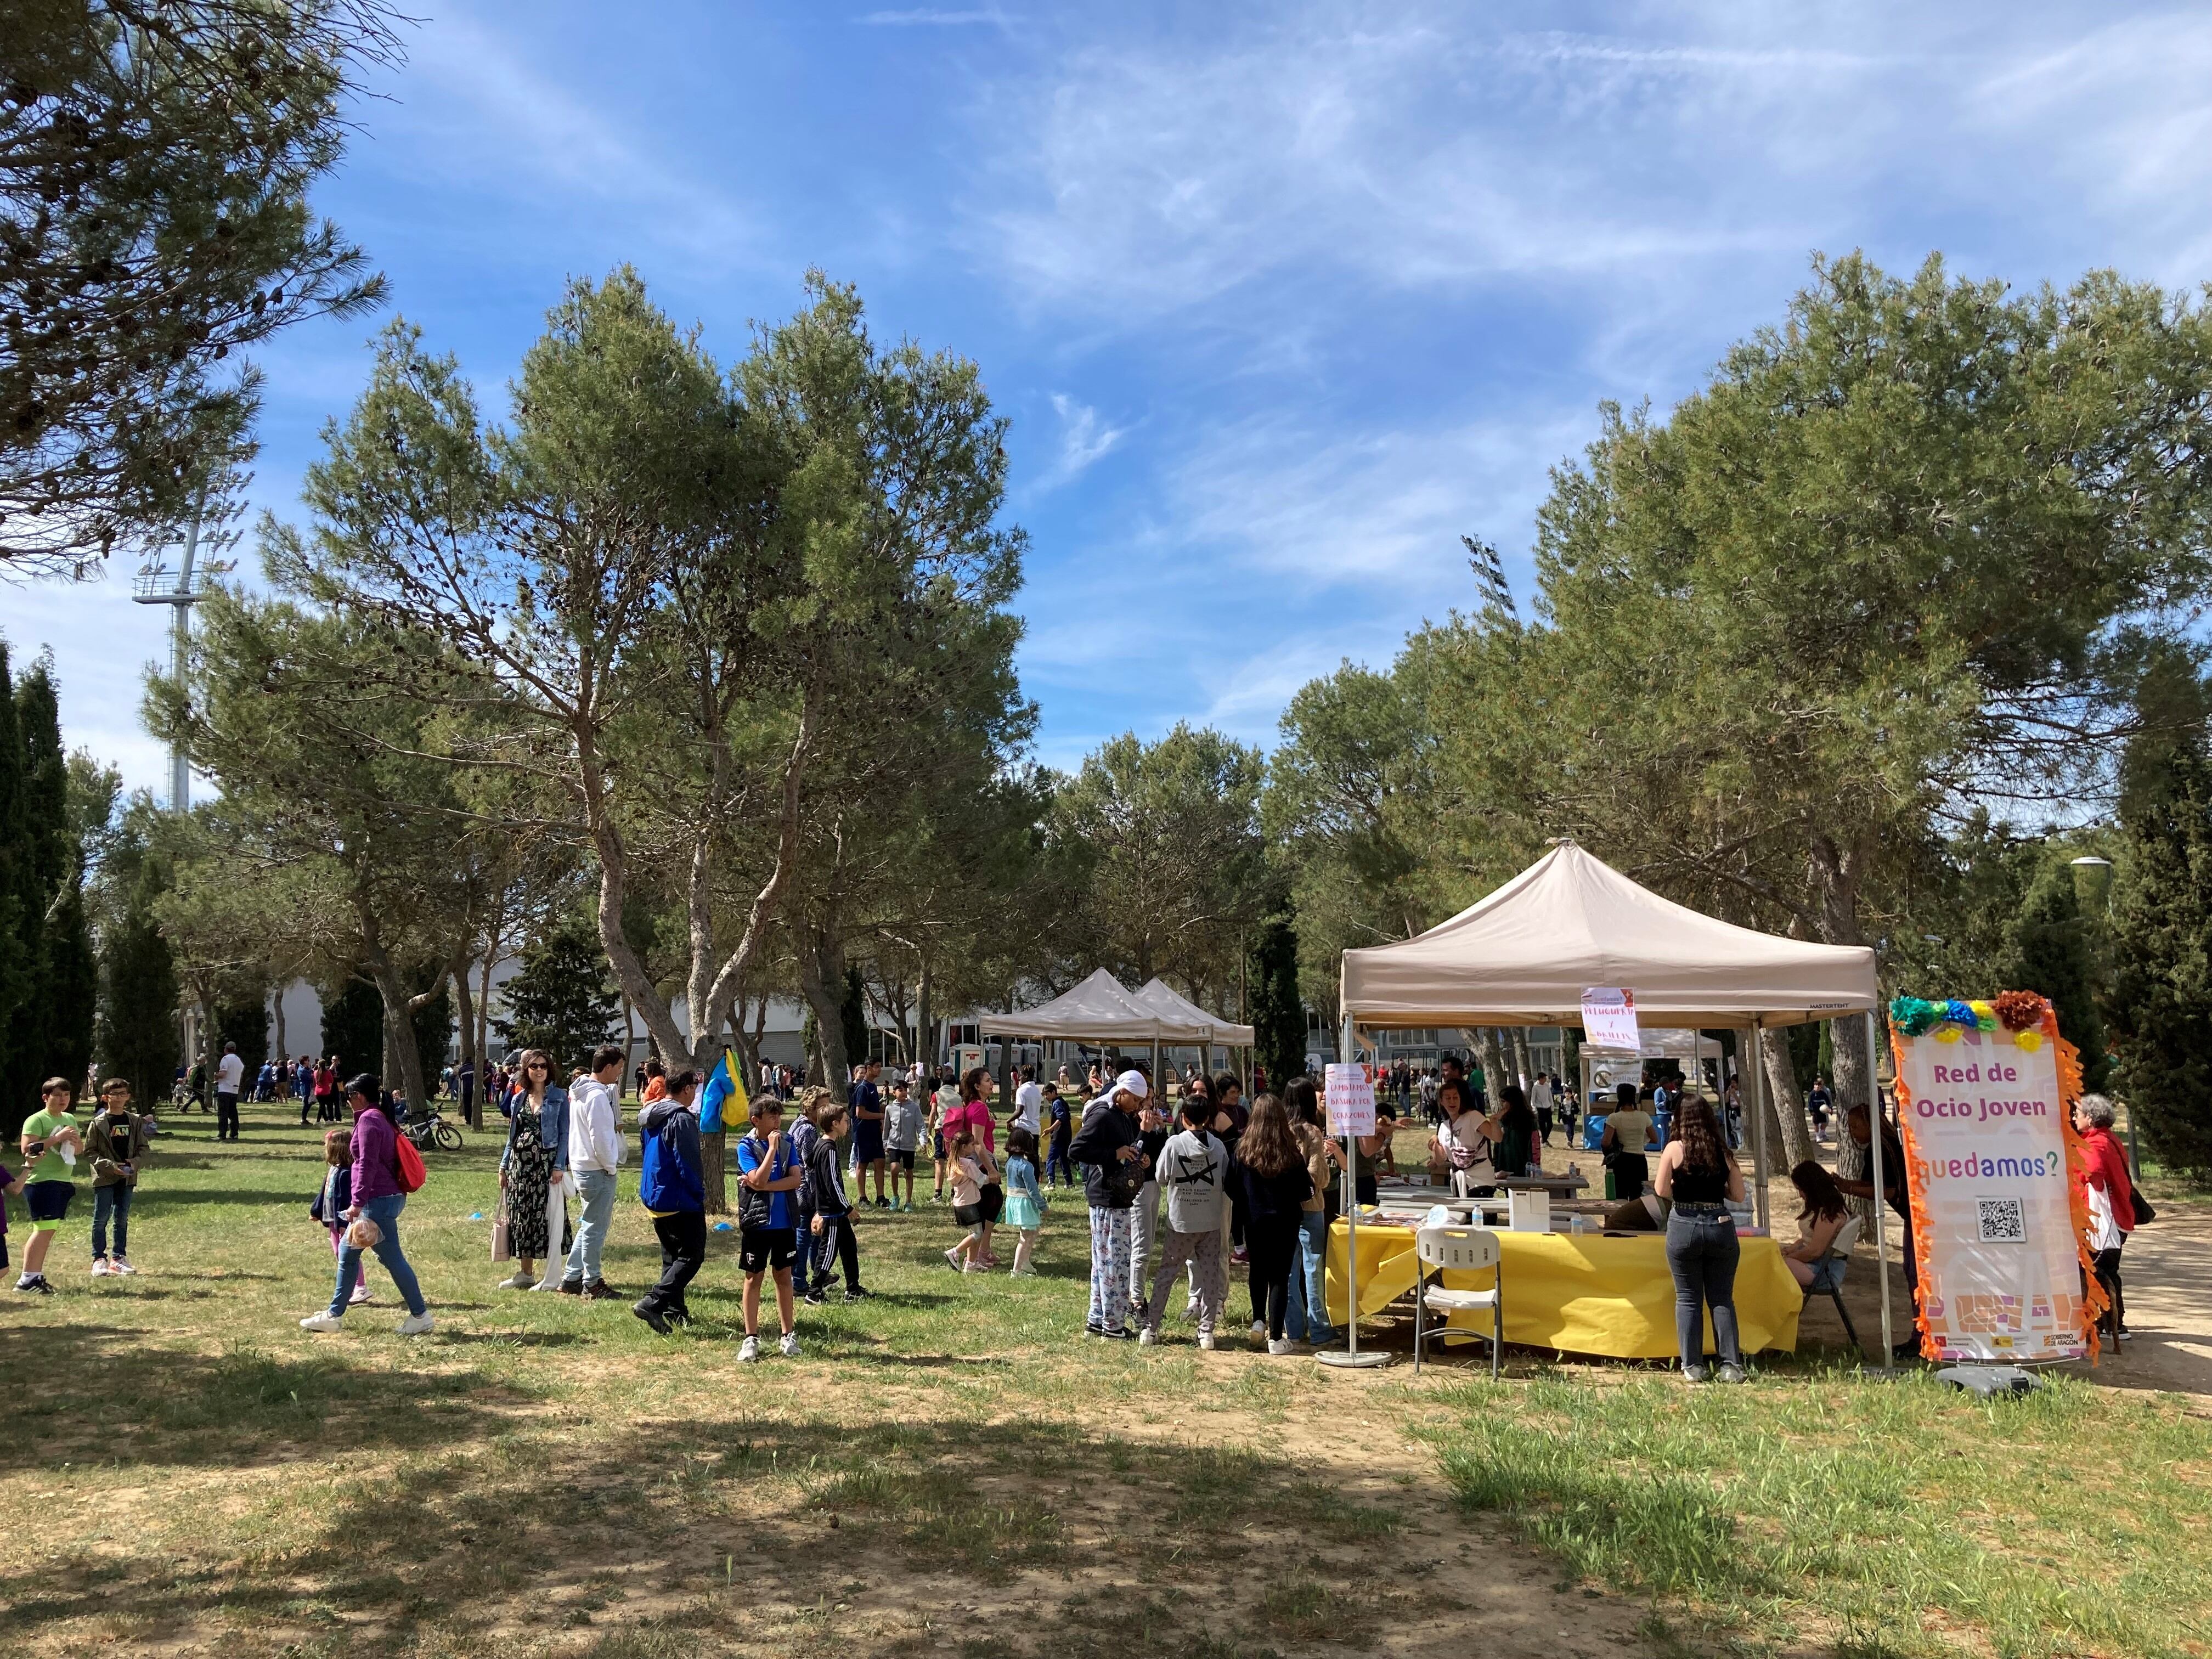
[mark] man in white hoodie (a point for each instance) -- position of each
(595, 1153)
(1193, 1171)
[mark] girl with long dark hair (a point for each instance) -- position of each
(1818, 1224)
(1699, 1174)
(1271, 1167)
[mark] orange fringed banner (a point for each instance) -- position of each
(1994, 1169)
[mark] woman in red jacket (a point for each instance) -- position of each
(2111, 1198)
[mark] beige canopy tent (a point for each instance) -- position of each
(1524, 955)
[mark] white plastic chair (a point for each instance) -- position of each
(1457, 1249)
(1840, 1248)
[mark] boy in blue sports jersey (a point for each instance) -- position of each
(768, 1220)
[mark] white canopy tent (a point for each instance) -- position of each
(1162, 998)
(1099, 1010)
(1524, 955)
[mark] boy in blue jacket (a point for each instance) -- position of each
(670, 1186)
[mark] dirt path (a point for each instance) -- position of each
(2167, 1274)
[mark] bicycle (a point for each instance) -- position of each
(430, 1128)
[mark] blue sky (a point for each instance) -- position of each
(1280, 300)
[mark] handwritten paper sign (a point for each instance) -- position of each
(1351, 1100)
(1609, 1018)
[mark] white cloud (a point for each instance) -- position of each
(932, 19)
(1083, 440)
(1379, 510)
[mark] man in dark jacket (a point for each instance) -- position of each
(674, 1194)
(1110, 1149)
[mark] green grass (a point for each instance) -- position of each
(1897, 1518)
(950, 1468)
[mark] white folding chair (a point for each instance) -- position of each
(1840, 1248)
(1457, 1249)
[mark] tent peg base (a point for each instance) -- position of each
(1983, 1382)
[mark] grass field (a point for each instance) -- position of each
(950, 1468)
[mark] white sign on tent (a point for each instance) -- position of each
(1351, 1100)
(1609, 1018)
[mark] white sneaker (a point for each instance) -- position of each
(325, 1321)
(1206, 1340)
(789, 1347)
(100, 1267)
(1278, 1345)
(415, 1324)
(1147, 1337)
(1259, 1330)
(116, 1264)
(748, 1350)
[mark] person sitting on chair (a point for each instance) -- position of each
(1817, 1271)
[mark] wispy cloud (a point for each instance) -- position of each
(1084, 439)
(927, 18)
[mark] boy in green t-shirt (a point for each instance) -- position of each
(52, 1141)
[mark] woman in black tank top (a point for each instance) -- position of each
(1699, 1173)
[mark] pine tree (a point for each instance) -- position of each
(2161, 1004)
(433, 1025)
(563, 1000)
(1278, 1014)
(2050, 951)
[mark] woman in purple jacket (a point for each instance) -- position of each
(377, 1198)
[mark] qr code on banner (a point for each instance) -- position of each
(2003, 1220)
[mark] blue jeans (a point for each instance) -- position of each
(385, 1212)
(1702, 1252)
(598, 1190)
(1308, 1319)
(113, 1200)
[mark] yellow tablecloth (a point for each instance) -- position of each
(1586, 1294)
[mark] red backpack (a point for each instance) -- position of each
(410, 1172)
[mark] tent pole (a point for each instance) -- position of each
(1754, 1069)
(1881, 1195)
(1351, 1216)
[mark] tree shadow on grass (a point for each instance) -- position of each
(684, 1536)
(123, 1400)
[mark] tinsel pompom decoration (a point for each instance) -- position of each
(1985, 1016)
(2020, 1011)
(1915, 1015)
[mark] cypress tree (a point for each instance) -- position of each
(2161, 1005)
(353, 1028)
(1279, 1013)
(2050, 951)
(853, 1015)
(137, 1030)
(563, 999)
(244, 1021)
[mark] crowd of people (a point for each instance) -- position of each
(1173, 1194)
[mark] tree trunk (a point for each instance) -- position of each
(1490, 1056)
(1525, 1060)
(464, 1010)
(713, 1171)
(924, 1031)
(283, 1044)
(1789, 1136)
(821, 981)
(398, 1029)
